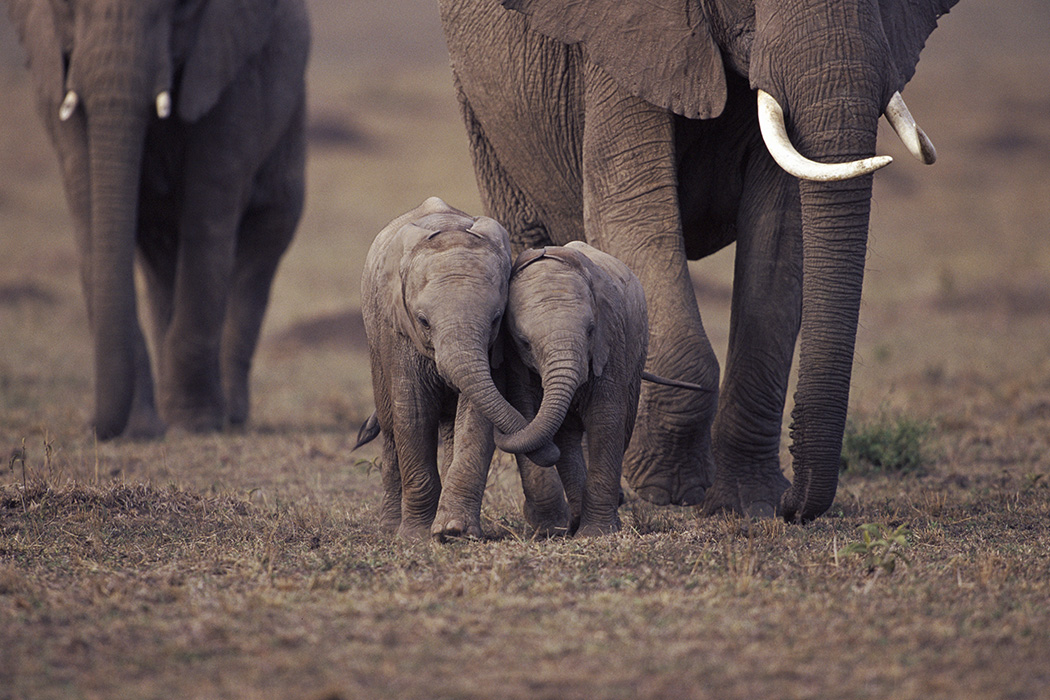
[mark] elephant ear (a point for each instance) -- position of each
(227, 33)
(662, 52)
(410, 237)
(907, 24)
(619, 299)
(44, 43)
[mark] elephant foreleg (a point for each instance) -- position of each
(265, 234)
(604, 423)
(767, 303)
(463, 485)
(631, 211)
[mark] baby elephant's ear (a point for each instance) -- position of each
(492, 230)
(527, 257)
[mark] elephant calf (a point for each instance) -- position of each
(433, 295)
(576, 318)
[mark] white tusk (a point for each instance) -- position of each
(914, 138)
(164, 104)
(69, 105)
(774, 133)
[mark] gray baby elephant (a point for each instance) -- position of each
(433, 295)
(576, 318)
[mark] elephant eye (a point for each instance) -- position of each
(423, 321)
(590, 329)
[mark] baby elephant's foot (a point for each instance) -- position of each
(550, 521)
(596, 528)
(413, 531)
(448, 524)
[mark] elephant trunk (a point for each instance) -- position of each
(835, 228)
(561, 375)
(462, 357)
(117, 119)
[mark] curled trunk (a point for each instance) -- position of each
(561, 377)
(464, 363)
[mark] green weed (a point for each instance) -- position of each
(880, 546)
(887, 445)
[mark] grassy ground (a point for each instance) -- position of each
(249, 565)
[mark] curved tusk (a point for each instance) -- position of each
(914, 138)
(164, 104)
(774, 133)
(69, 105)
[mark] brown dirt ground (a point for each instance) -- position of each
(249, 565)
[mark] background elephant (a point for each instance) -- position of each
(577, 325)
(433, 295)
(636, 127)
(179, 129)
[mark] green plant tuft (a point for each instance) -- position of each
(880, 546)
(886, 445)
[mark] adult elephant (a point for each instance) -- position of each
(635, 126)
(179, 129)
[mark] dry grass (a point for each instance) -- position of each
(249, 565)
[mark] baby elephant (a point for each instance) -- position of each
(433, 296)
(577, 321)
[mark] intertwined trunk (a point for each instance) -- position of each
(561, 375)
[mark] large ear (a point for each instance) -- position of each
(907, 24)
(662, 51)
(43, 38)
(228, 33)
(409, 237)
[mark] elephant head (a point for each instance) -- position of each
(567, 320)
(450, 293)
(105, 70)
(824, 71)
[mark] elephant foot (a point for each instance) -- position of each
(756, 495)
(144, 424)
(664, 476)
(597, 529)
(551, 521)
(448, 524)
(413, 531)
(196, 421)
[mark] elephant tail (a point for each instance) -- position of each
(367, 433)
(657, 379)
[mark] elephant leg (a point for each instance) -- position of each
(463, 485)
(766, 310)
(501, 197)
(190, 378)
(265, 234)
(415, 439)
(604, 423)
(572, 469)
(390, 474)
(631, 211)
(554, 497)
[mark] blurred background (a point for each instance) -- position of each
(958, 280)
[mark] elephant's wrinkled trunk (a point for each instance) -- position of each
(561, 375)
(461, 355)
(117, 121)
(835, 226)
